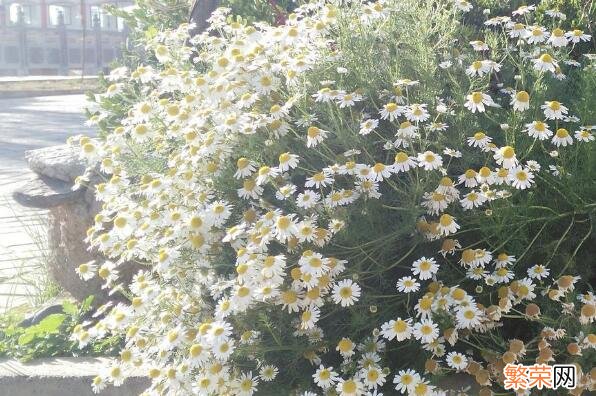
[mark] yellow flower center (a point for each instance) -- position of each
(289, 297)
(246, 385)
(345, 345)
(401, 157)
(508, 152)
(438, 197)
(283, 158)
(458, 294)
(470, 173)
(372, 375)
(349, 386)
(306, 316)
(477, 97)
(345, 292)
(522, 96)
(313, 132)
(378, 167)
(426, 329)
(283, 222)
(546, 58)
(446, 220)
(521, 175)
(391, 107)
(446, 182)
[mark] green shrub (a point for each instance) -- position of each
(455, 236)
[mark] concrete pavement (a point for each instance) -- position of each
(28, 123)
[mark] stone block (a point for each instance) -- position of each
(62, 377)
(59, 162)
(46, 192)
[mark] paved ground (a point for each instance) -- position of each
(28, 123)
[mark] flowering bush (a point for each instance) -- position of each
(363, 200)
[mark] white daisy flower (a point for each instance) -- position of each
(309, 317)
(538, 130)
(287, 161)
(576, 36)
(469, 178)
(348, 99)
(314, 136)
(349, 387)
(503, 259)
(400, 329)
(538, 271)
(480, 139)
(584, 135)
(476, 102)
(517, 30)
(478, 45)
(520, 101)
(406, 381)
(447, 225)
(505, 156)
(429, 160)
(325, 377)
(425, 268)
(426, 331)
(463, 5)
(536, 35)
(380, 172)
(373, 377)
(246, 384)
(524, 10)
(521, 178)
(417, 113)
(562, 138)
(472, 200)
(407, 284)
(403, 162)
(406, 130)
(468, 317)
(307, 199)
(320, 179)
(87, 270)
(368, 126)
(265, 174)
(558, 38)
(456, 360)
(545, 63)
(345, 292)
(391, 111)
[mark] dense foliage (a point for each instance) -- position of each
(52, 336)
(367, 198)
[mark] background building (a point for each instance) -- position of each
(58, 37)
